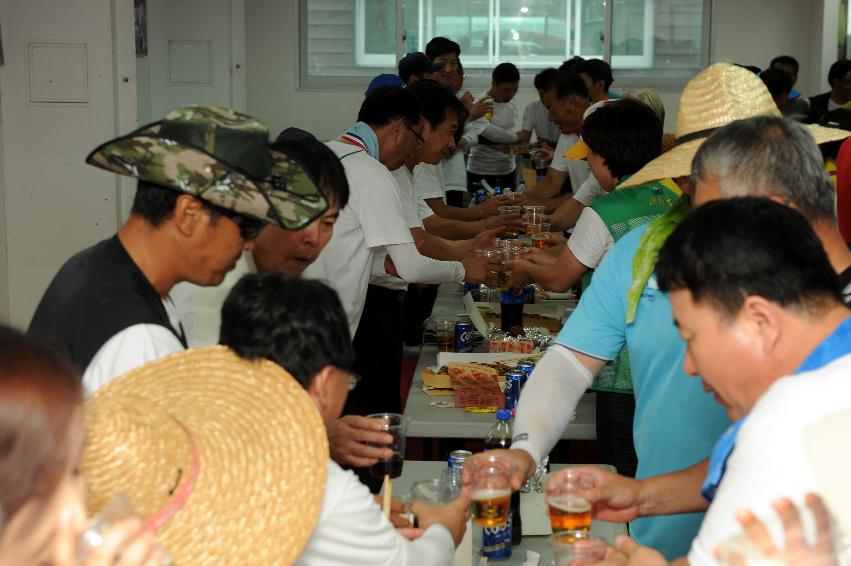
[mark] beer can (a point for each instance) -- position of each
(529, 294)
(496, 541)
(513, 383)
(497, 191)
(463, 337)
(457, 459)
(526, 367)
(481, 195)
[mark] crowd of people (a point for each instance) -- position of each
(211, 366)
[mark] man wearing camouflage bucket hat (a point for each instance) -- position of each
(207, 185)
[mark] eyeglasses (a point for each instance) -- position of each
(249, 228)
(353, 380)
(416, 133)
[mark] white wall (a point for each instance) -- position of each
(744, 31)
(55, 204)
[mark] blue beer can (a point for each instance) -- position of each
(463, 337)
(529, 294)
(496, 541)
(481, 195)
(526, 367)
(457, 459)
(513, 383)
(497, 191)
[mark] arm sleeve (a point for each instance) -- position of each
(414, 267)
(588, 191)
(377, 264)
(590, 239)
(126, 350)
(548, 401)
(499, 135)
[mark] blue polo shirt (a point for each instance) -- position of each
(676, 422)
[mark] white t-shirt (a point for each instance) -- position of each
(769, 460)
(130, 348)
(455, 171)
(352, 530)
(536, 119)
(589, 191)
(372, 219)
(591, 240)
(404, 182)
(578, 170)
(501, 129)
(429, 181)
(200, 307)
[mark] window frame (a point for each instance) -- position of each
(476, 80)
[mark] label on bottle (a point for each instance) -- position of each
(496, 541)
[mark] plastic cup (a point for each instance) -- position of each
(568, 509)
(541, 236)
(491, 486)
(434, 492)
(570, 549)
(397, 426)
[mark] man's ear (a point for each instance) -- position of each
(320, 387)
(189, 214)
(763, 318)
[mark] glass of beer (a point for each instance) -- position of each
(395, 425)
(541, 237)
(569, 549)
(568, 509)
(532, 217)
(491, 484)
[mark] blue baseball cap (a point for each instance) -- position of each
(416, 63)
(384, 80)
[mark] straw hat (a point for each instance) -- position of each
(224, 458)
(718, 95)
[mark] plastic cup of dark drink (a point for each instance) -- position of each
(568, 509)
(397, 426)
(491, 486)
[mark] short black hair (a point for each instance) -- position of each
(436, 103)
(785, 60)
(388, 103)
(568, 84)
(322, 164)
(155, 203)
(778, 82)
(729, 249)
(569, 66)
(441, 46)
(543, 79)
(838, 70)
(505, 73)
(626, 133)
(297, 323)
(597, 69)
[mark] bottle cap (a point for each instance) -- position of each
(503, 414)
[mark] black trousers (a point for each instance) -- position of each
(419, 300)
(502, 181)
(615, 414)
(378, 348)
(455, 198)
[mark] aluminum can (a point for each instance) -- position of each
(481, 195)
(496, 541)
(514, 381)
(457, 459)
(529, 294)
(526, 367)
(463, 337)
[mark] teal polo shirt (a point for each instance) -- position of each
(676, 422)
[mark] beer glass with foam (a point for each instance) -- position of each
(567, 508)
(491, 483)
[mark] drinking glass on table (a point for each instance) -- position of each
(490, 479)
(434, 492)
(541, 237)
(569, 511)
(541, 165)
(533, 216)
(395, 425)
(444, 334)
(572, 550)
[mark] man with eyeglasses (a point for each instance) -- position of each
(207, 185)
(301, 326)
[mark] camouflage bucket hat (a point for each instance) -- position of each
(219, 156)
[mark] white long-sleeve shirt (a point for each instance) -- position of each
(353, 530)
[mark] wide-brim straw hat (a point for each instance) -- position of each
(224, 458)
(718, 95)
(220, 156)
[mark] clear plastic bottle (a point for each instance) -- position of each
(499, 436)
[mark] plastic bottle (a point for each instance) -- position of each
(521, 190)
(499, 436)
